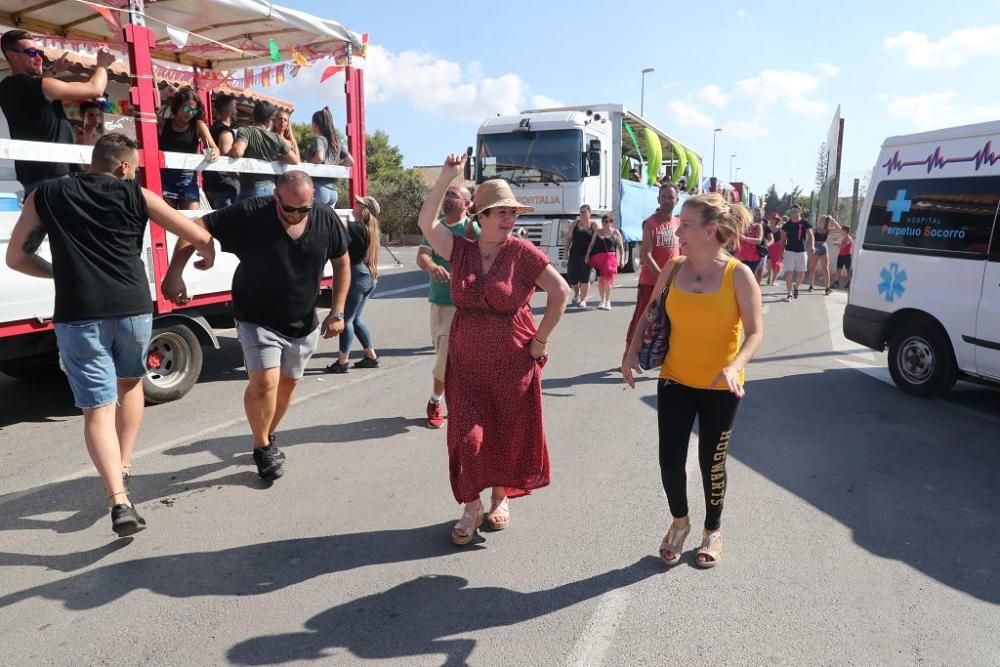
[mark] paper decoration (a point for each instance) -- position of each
(279, 75)
(330, 71)
(265, 77)
(108, 16)
(178, 37)
(300, 59)
(296, 70)
(272, 46)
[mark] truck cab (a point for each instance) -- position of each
(557, 160)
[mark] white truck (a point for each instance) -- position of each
(561, 158)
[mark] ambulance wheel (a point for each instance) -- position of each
(921, 359)
(173, 364)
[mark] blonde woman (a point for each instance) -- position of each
(363, 248)
(714, 307)
(606, 253)
(496, 352)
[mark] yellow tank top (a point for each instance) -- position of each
(705, 333)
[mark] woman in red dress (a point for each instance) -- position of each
(493, 381)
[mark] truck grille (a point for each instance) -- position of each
(532, 233)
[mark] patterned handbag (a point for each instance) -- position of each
(656, 332)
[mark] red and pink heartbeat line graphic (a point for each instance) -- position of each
(984, 156)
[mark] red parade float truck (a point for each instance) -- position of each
(205, 44)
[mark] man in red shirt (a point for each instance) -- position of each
(659, 246)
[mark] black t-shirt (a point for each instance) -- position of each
(277, 281)
(31, 117)
(357, 247)
(795, 235)
(96, 226)
(220, 181)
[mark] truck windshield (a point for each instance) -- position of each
(550, 156)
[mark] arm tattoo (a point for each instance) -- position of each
(33, 240)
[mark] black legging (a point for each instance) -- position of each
(677, 406)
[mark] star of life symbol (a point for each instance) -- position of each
(892, 282)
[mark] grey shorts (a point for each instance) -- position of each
(264, 348)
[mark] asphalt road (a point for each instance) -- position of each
(862, 526)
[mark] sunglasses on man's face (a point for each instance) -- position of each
(294, 209)
(31, 52)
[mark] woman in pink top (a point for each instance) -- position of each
(747, 251)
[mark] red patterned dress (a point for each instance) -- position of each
(492, 384)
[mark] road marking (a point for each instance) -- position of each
(596, 638)
(401, 290)
(187, 439)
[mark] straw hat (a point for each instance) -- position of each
(497, 192)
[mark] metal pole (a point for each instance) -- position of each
(642, 94)
(854, 204)
(731, 158)
(715, 133)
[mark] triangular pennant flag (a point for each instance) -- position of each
(265, 77)
(364, 45)
(178, 37)
(108, 17)
(300, 59)
(296, 70)
(279, 75)
(330, 71)
(247, 78)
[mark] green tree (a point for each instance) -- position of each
(383, 157)
(772, 202)
(401, 193)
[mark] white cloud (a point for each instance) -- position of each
(952, 50)
(745, 129)
(826, 69)
(543, 102)
(936, 109)
(688, 115)
(741, 13)
(425, 82)
(713, 95)
(794, 90)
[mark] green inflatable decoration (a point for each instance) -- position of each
(695, 164)
(680, 155)
(654, 155)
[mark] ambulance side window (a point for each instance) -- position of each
(942, 216)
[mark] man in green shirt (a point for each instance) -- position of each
(257, 141)
(457, 201)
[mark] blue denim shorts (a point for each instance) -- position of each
(95, 353)
(182, 185)
(262, 189)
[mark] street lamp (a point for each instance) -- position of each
(642, 95)
(715, 133)
(737, 174)
(731, 158)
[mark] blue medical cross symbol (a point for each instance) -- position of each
(899, 205)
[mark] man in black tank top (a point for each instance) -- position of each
(96, 225)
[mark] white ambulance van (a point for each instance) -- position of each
(927, 259)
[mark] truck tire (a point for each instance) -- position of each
(37, 368)
(631, 259)
(173, 364)
(921, 359)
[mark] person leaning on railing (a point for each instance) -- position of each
(257, 141)
(32, 102)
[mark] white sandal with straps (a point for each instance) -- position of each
(465, 530)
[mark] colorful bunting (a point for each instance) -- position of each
(330, 71)
(272, 47)
(300, 59)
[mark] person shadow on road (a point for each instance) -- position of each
(424, 616)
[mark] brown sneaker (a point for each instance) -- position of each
(435, 415)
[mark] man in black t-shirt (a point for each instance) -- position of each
(799, 240)
(96, 226)
(222, 188)
(33, 103)
(283, 243)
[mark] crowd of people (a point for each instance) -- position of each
(32, 98)
(701, 272)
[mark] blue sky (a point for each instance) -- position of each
(770, 73)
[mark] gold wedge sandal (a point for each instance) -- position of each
(711, 549)
(673, 543)
(465, 530)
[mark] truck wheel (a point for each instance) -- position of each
(921, 359)
(632, 261)
(173, 364)
(37, 368)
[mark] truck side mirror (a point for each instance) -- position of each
(594, 157)
(468, 164)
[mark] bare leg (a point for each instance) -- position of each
(584, 291)
(438, 387)
(260, 403)
(286, 386)
(811, 270)
(611, 289)
(825, 264)
(789, 278)
(128, 416)
(102, 445)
